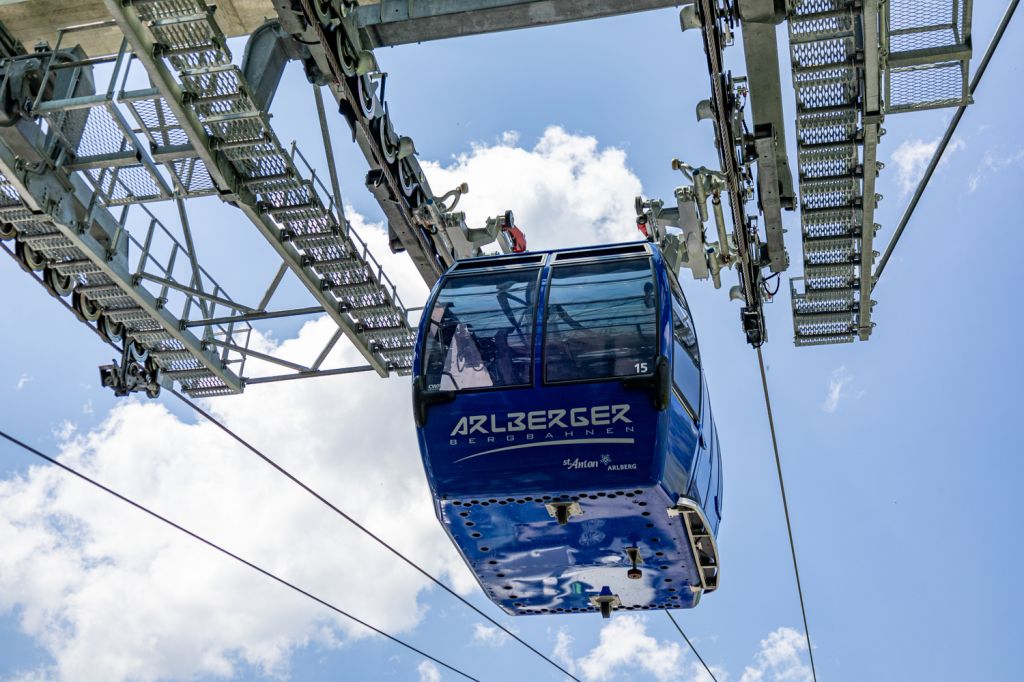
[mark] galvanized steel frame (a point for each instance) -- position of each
(51, 204)
(155, 275)
(842, 53)
(384, 338)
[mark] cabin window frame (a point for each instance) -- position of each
(454, 274)
(543, 328)
(677, 297)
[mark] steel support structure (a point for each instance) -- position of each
(157, 295)
(419, 223)
(186, 56)
(723, 109)
(842, 51)
(925, 51)
(836, 77)
(83, 252)
(399, 22)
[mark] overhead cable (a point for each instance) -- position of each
(692, 648)
(785, 508)
(228, 553)
(950, 129)
(383, 543)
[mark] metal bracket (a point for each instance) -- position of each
(563, 511)
(702, 541)
(135, 373)
(606, 602)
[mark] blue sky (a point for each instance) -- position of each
(898, 453)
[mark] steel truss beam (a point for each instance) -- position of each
(775, 179)
(723, 110)
(842, 51)
(87, 145)
(82, 243)
(208, 97)
(423, 225)
(834, 51)
(399, 22)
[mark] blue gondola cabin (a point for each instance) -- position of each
(566, 431)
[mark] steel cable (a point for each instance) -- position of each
(228, 553)
(692, 648)
(785, 509)
(383, 543)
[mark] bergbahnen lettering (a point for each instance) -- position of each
(542, 420)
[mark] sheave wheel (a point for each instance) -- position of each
(138, 352)
(324, 11)
(86, 307)
(347, 59)
(407, 179)
(111, 329)
(59, 284)
(367, 94)
(388, 139)
(7, 231)
(31, 258)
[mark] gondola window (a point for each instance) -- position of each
(601, 321)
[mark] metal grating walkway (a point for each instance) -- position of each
(828, 80)
(842, 51)
(95, 274)
(206, 97)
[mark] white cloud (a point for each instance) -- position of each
(624, 646)
(912, 158)
(780, 659)
(565, 191)
(42, 675)
(836, 389)
(112, 595)
(23, 381)
(489, 635)
(428, 672)
(562, 652)
(993, 162)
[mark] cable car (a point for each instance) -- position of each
(565, 429)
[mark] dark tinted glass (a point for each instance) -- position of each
(480, 331)
(601, 320)
(685, 357)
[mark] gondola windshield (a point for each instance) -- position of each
(481, 330)
(602, 321)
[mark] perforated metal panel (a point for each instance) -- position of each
(828, 83)
(928, 54)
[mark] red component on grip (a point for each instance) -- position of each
(517, 237)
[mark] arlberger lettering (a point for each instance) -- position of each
(477, 424)
(516, 421)
(555, 418)
(619, 414)
(542, 420)
(535, 420)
